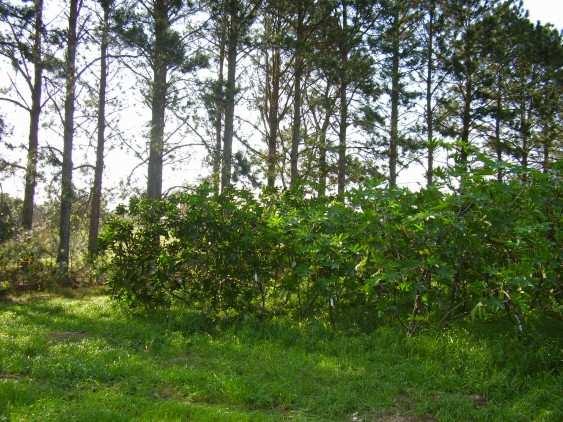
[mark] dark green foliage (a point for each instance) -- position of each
(9, 217)
(209, 250)
(384, 256)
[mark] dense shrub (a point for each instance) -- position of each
(24, 259)
(213, 251)
(381, 255)
(10, 209)
(26, 264)
(28, 258)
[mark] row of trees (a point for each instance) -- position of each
(332, 91)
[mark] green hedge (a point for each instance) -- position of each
(413, 257)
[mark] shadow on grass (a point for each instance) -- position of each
(105, 364)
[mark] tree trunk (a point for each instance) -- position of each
(466, 114)
(63, 255)
(546, 158)
(96, 196)
(466, 124)
(158, 101)
(323, 168)
(297, 99)
(343, 106)
(31, 169)
(273, 117)
(524, 130)
(395, 79)
(429, 107)
(498, 144)
(232, 47)
(219, 106)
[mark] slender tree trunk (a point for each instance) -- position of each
(230, 94)
(467, 103)
(273, 117)
(343, 105)
(524, 130)
(429, 106)
(546, 158)
(158, 101)
(63, 256)
(498, 144)
(297, 99)
(323, 167)
(219, 106)
(466, 124)
(96, 196)
(395, 80)
(31, 170)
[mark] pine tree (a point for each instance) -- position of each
(241, 14)
(63, 256)
(36, 105)
(464, 105)
(397, 43)
(219, 29)
(535, 92)
(273, 38)
(549, 101)
(497, 30)
(23, 49)
(96, 195)
(339, 69)
(149, 28)
(302, 16)
(433, 32)
(356, 18)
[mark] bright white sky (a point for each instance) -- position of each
(546, 11)
(119, 165)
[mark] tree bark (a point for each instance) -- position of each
(524, 129)
(323, 167)
(96, 196)
(63, 256)
(297, 98)
(498, 144)
(32, 151)
(546, 158)
(466, 124)
(395, 79)
(467, 103)
(219, 106)
(230, 94)
(158, 101)
(429, 106)
(343, 105)
(273, 117)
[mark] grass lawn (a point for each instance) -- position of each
(79, 357)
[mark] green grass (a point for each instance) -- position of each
(82, 358)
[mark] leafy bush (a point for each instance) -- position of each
(26, 264)
(212, 251)
(25, 260)
(9, 216)
(28, 258)
(382, 255)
